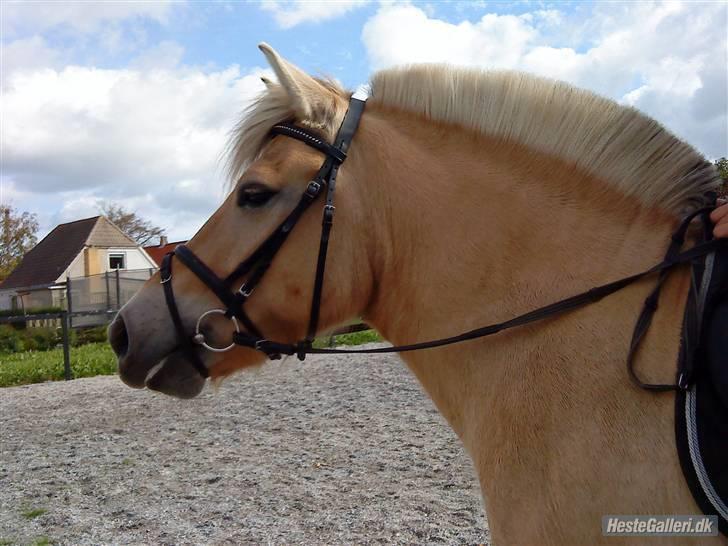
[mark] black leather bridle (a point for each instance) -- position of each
(255, 266)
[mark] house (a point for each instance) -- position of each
(157, 252)
(83, 248)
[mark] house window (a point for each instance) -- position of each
(117, 261)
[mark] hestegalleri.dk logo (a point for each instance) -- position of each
(684, 526)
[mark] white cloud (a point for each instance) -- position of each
(292, 13)
(150, 138)
(27, 53)
(38, 16)
(668, 59)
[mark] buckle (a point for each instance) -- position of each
(329, 214)
(245, 292)
(313, 189)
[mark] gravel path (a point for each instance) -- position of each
(334, 450)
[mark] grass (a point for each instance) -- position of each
(356, 338)
(98, 359)
(32, 513)
(42, 541)
(39, 366)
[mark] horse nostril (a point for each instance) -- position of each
(118, 338)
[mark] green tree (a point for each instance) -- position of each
(17, 236)
(142, 231)
(722, 166)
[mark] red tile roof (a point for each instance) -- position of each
(157, 252)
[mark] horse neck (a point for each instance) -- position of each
(470, 232)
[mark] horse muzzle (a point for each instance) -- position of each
(142, 365)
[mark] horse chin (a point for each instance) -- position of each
(175, 376)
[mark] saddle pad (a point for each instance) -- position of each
(701, 412)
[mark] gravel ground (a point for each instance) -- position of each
(335, 450)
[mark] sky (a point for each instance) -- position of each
(132, 102)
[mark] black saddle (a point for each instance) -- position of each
(701, 412)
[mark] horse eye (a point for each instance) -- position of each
(254, 196)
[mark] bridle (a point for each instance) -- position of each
(254, 267)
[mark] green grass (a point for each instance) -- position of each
(356, 338)
(6, 542)
(38, 366)
(42, 541)
(32, 513)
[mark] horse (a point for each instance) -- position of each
(466, 196)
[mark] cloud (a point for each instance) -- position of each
(668, 59)
(292, 13)
(146, 136)
(85, 17)
(27, 53)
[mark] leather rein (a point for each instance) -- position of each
(256, 265)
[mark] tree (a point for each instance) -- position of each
(722, 166)
(142, 231)
(17, 236)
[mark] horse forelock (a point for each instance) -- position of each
(273, 106)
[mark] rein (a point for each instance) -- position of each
(257, 264)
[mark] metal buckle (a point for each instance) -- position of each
(313, 188)
(329, 213)
(165, 281)
(258, 344)
(199, 337)
(245, 293)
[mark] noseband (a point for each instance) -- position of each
(256, 265)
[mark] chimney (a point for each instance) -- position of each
(162, 240)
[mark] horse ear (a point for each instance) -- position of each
(306, 94)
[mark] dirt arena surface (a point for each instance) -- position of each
(334, 450)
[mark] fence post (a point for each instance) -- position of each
(118, 291)
(69, 304)
(66, 347)
(68, 294)
(108, 291)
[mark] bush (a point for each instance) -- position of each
(10, 339)
(30, 311)
(95, 334)
(14, 340)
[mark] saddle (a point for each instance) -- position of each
(701, 411)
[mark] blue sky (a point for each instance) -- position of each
(131, 101)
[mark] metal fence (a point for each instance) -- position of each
(104, 292)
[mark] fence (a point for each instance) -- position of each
(104, 292)
(94, 300)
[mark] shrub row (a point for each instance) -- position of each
(34, 311)
(18, 339)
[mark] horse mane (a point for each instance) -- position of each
(618, 144)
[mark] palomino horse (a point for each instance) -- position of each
(466, 198)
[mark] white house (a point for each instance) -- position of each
(77, 249)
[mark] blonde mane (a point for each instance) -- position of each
(618, 144)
